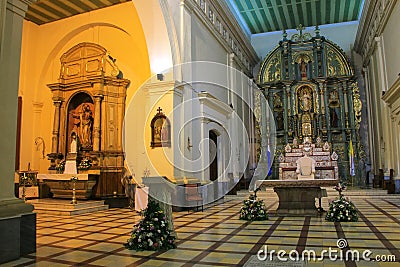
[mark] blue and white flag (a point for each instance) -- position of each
(269, 160)
(351, 156)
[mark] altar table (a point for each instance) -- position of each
(297, 197)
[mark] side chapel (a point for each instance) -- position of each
(311, 88)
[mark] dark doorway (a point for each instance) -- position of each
(213, 148)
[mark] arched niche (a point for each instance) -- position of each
(160, 130)
(80, 118)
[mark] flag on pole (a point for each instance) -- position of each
(269, 160)
(351, 156)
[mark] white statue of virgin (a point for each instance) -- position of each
(73, 148)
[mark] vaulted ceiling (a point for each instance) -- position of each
(44, 11)
(274, 15)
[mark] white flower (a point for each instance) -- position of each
(150, 242)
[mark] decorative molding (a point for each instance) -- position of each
(209, 100)
(373, 20)
(216, 16)
(393, 93)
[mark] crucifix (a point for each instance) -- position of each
(159, 110)
(300, 28)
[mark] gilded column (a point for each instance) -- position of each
(97, 121)
(56, 126)
(288, 116)
(327, 115)
(346, 104)
(322, 107)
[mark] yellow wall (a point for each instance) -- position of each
(117, 28)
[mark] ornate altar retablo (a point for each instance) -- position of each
(326, 166)
(309, 84)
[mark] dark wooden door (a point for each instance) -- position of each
(213, 155)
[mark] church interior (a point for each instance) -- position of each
(252, 124)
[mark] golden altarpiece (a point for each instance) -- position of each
(89, 103)
(311, 89)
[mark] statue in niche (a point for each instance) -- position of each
(84, 126)
(334, 118)
(334, 104)
(295, 143)
(305, 98)
(74, 144)
(303, 69)
(278, 109)
(279, 121)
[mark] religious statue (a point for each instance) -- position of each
(334, 117)
(74, 145)
(279, 121)
(318, 142)
(333, 105)
(305, 99)
(303, 69)
(84, 126)
(126, 181)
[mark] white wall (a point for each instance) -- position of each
(391, 39)
(343, 34)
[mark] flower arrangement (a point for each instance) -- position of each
(151, 232)
(341, 209)
(85, 164)
(60, 166)
(253, 209)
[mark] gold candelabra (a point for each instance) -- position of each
(74, 179)
(24, 178)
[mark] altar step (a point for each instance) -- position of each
(332, 193)
(65, 208)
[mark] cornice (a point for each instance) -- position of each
(393, 93)
(374, 18)
(223, 25)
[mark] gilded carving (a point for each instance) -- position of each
(357, 104)
(334, 64)
(305, 99)
(273, 72)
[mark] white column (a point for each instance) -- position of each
(16, 217)
(381, 63)
(12, 13)
(369, 112)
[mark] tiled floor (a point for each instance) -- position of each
(216, 237)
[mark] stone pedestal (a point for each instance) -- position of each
(297, 197)
(297, 201)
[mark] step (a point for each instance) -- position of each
(65, 208)
(65, 212)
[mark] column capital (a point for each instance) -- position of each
(98, 97)
(57, 103)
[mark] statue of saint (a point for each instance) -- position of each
(84, 126)
(74, 146)
(303, 69)
(305, 100)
